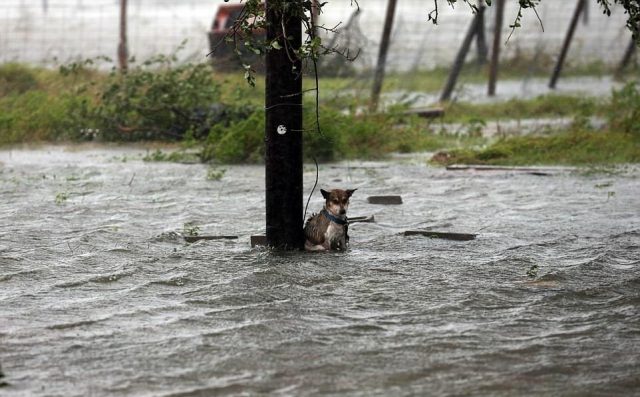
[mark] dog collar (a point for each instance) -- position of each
(333, 218)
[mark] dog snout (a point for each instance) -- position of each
(343, 211)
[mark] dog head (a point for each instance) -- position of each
(337, 200)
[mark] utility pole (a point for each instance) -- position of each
(382, 55)
(123, 52)
(283, 127)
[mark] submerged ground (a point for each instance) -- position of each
(100, 295)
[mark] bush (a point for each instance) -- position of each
(624, 114)
(16, 79)
(166, 102)
(37, 115)
(341, 136)
(237, 141)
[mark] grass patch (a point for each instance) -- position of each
(618, 143)
(221, 119)
(544, 106)
(568, 148)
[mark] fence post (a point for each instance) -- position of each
(382, 55)
(626, 58)
(123, 52)
(495, 52)
(567, 42)
(458, 63)
(481, 39)
(283, 128)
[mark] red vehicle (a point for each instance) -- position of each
(223, 54)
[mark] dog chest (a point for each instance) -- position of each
(334, 232)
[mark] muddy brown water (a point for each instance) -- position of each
(100, 295)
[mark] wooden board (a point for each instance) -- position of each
(385, 200)
(193, 239)
(258, 241)
(362, 219)
(531, 170)
(443, 235)
(428, 113)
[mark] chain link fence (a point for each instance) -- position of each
(51, 32)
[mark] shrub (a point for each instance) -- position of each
(624, 114)
(16, 79)
(158, 100)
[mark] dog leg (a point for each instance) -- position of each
(309, 246)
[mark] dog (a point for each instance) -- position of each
(328, 229)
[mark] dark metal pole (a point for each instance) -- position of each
(283, 128)
(567, 42)
(123, 52)
(382, 55)
(481, 39)
(459, 61)
(495, 52)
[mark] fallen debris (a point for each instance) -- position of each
(258, 241)
(385, 200)
(427, 113)
(362, 219)
(193, 239)
(442, 235)
(530, 170)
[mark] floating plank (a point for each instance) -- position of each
(443, 235)
(385, 200)
(427, 113)
(362, 219)
(359, 167)
(531, 170)
(258, 241)
(193, 239)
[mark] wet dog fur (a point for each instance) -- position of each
(328, 229)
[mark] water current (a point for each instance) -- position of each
(100, 295)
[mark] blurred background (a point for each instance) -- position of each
(47, 32)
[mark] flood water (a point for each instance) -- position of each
(100, 295)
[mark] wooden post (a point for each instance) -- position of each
(626, 58)
(123, 52)
(315, 13)
(481, 39)
(495, 52)
(283, 128)
(458, 63)
(567, 43)
(382, 55)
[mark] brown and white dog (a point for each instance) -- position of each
(328, 229)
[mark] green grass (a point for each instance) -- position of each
(566, 148)
(545, 106)
(152, 103)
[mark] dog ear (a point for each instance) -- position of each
(350, 192)
(325, 194)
